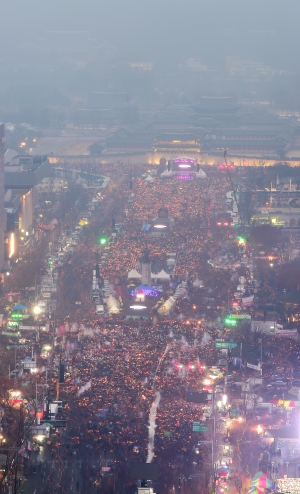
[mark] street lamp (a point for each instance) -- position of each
(37, 310)
(259, 429)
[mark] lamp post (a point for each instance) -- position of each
(260, 359)
(37, 310)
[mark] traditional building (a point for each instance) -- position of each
(178, 143)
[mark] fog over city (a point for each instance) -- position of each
(266, 31)
(149, 247)
(95, 41)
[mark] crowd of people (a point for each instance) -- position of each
(127, 362)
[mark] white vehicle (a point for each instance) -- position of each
(99, 309)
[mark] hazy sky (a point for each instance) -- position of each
(210, 30)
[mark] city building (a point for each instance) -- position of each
(12, 205)
(2, 211)
(178, 143)
(127, 141)
(191, 65)
(247, 69)
(222, 109)
(21, 175)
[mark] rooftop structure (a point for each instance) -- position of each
(25, 171)
(176, 143)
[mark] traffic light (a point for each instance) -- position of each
(103, 241)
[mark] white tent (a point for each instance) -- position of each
(166, 174)
(162, 275)
(201, 174)
(134, 274)
(149, 179)
(112, 305)
(167, 306)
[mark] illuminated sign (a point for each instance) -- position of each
(16, 315)
(184, 160)
(184, 166)
(160, 226)
(11, 245)
(230, 322)
(138, 307)
(12, 324)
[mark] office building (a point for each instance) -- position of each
(2, 212)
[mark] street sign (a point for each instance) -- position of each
(225, 344)
(11, 334)
(40, 429)
(251, 366)
(27, 364)
(198, 427)
(48, 288)
(28, 328)
(47, 279)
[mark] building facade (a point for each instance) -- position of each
(2, 212)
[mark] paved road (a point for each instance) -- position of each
(63, 476)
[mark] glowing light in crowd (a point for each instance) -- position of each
(11, 245)
(259, 429)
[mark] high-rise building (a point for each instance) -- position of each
(2, 212)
